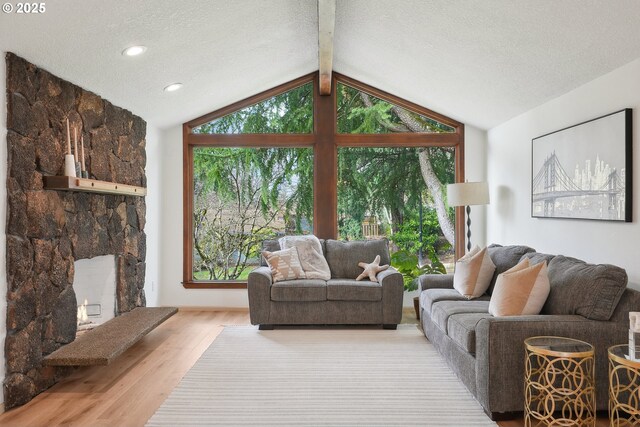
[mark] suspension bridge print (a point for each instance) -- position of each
(584, 171)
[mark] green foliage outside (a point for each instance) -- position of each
(407, 237)
(289, 112)
(245, 195)
(359, 112)
(388, 183)
(204, 274)
(407, 264)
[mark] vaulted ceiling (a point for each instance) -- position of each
(478, 61)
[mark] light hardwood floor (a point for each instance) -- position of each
(128, 392)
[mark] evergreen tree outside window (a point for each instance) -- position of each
(360, 112)
(243, 196)
(399, 203)
(288, 112)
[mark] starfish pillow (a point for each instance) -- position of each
(372, 269)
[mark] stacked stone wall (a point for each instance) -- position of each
(48, 230)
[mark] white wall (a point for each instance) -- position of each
(171, 290)
(509, 174)
(154, 210)
(475, 169)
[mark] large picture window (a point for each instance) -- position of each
(356, 164)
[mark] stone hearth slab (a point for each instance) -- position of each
(109, 340)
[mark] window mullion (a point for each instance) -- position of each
(325, 169)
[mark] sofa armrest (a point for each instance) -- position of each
(259, 290)
(500, 353)
(630, 301)
(392, 293)
(431, 281)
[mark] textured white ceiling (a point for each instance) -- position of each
(220, 50)
(484, 61)
(479, 61)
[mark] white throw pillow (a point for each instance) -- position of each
(284, 264)
(310, 253)
(521, 290)
(473, 273)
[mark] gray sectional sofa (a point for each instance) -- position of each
(587, 302)
(340, 300)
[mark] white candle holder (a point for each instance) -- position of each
(69, 165)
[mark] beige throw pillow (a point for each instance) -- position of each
(521, 290)
(284, 264)
(310, 253)
(473, 273)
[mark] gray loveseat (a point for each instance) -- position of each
(340, 300)
(587, 302)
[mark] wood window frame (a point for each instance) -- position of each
(325, 141)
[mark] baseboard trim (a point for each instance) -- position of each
(204, 308)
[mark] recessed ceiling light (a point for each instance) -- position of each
(134, 50)
(173, 87)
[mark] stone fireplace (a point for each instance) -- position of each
(48, 231)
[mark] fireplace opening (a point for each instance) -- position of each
(94, 284)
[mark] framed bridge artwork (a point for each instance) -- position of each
(584, 171)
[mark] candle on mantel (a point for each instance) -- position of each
(75, 143)
(82, 153)
(68, 139)
(83, 318)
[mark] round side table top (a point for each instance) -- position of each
(559, 346)
(619, 353)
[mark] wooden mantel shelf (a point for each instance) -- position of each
(70, 183)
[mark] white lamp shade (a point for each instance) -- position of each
(468, 193)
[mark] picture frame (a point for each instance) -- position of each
(584, 171)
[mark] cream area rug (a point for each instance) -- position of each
(320, 377)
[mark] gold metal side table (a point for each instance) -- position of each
(559, 382)
(624, 388)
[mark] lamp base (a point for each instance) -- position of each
(468, 228)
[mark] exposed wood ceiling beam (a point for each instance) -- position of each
(326, 24)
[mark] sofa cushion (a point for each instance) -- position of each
(538, 257)
(431, 296)
(299, 290)
(343, 257)
(351, 290)
(440, 311)
(462, 329)
(505, 257)
(590, 290)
